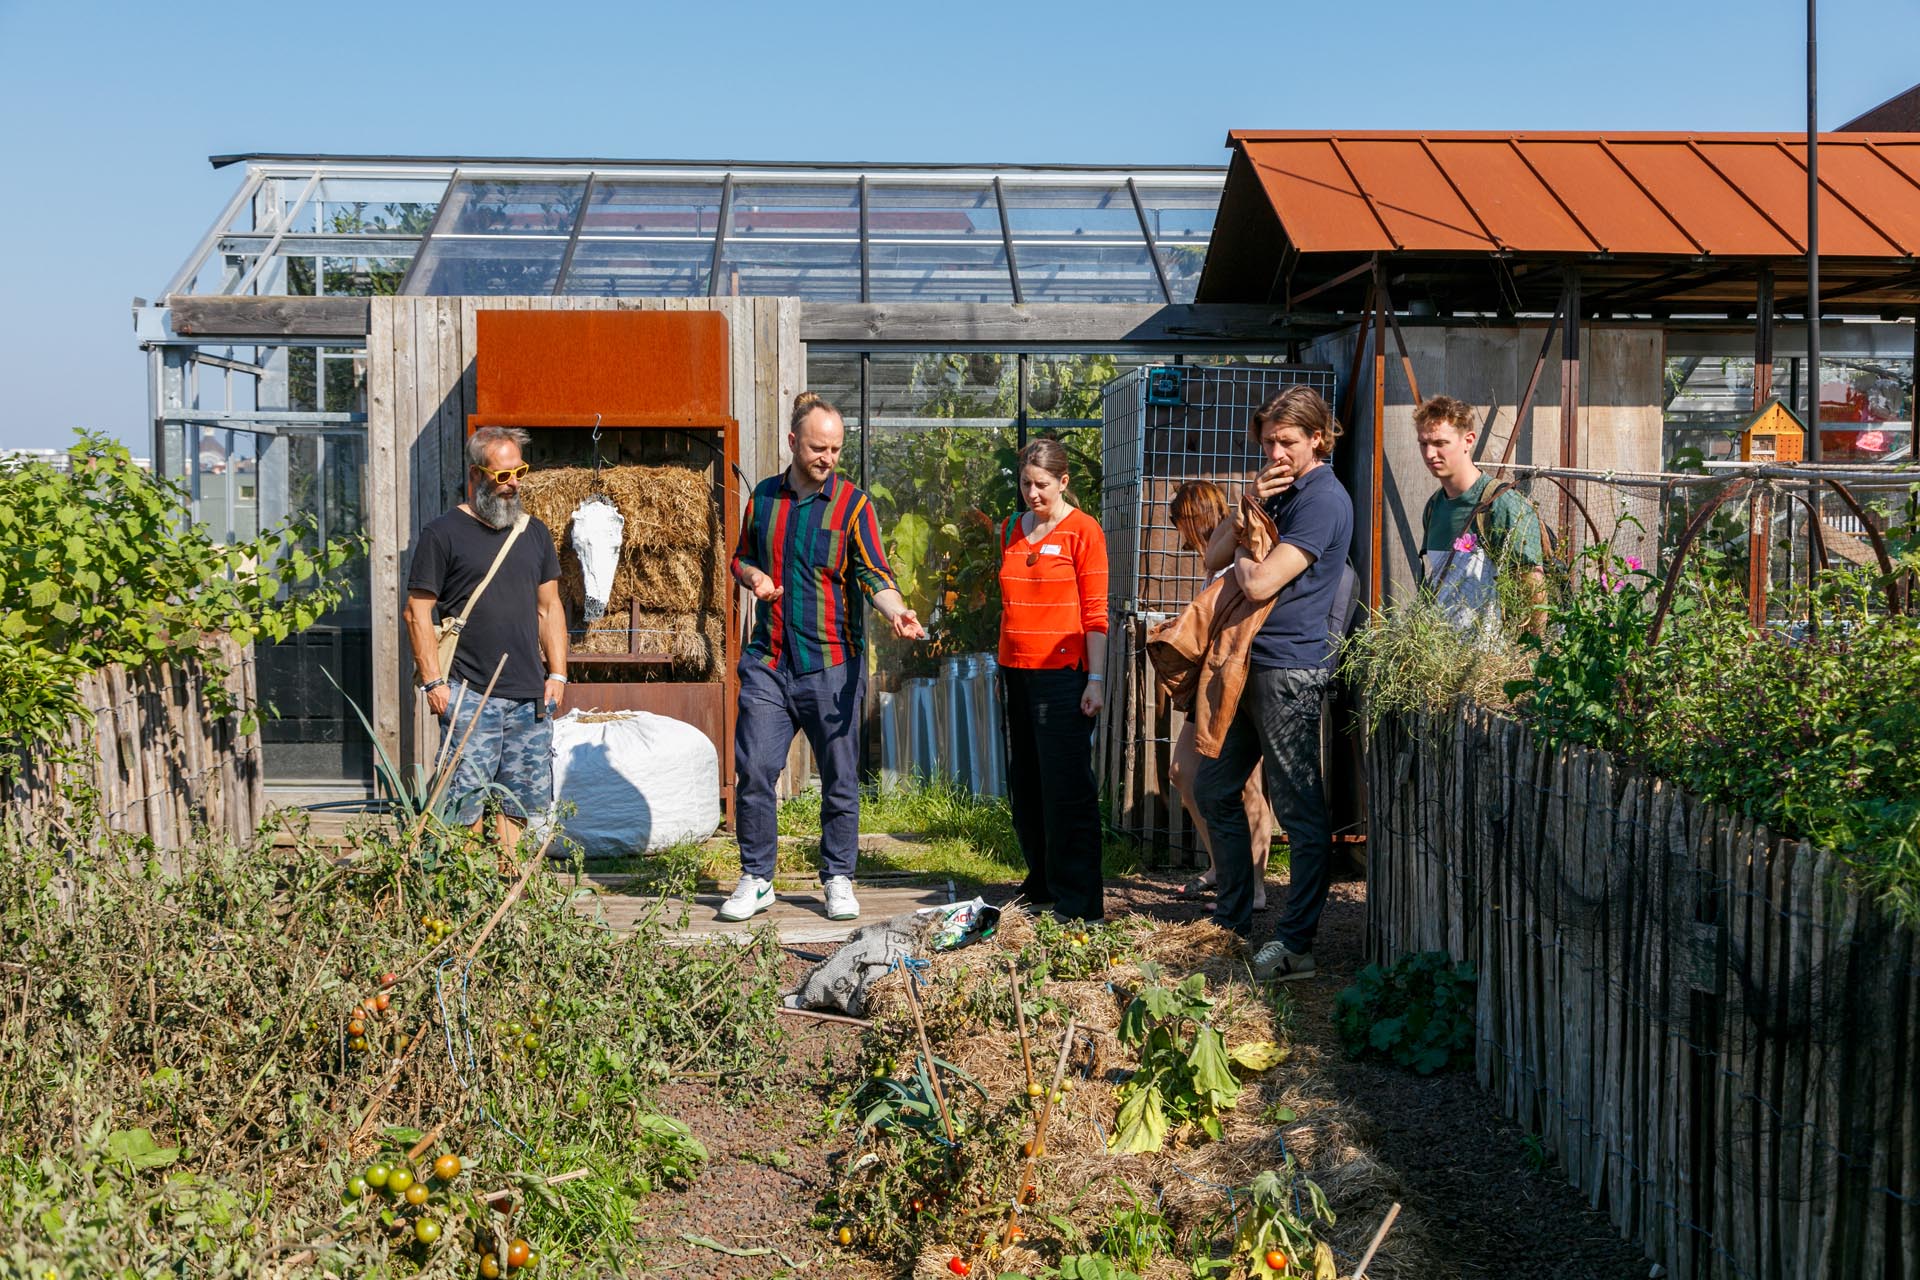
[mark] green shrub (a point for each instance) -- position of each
(100, 566)
(1417, 1014)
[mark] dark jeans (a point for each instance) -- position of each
(1278, 722)
(1050, 788)
(775, 704)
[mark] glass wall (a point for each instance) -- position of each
(942, 430)
(1866, 406)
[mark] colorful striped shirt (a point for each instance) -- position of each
(815, 547)
(1052, 592)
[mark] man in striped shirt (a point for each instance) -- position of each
(810, 552)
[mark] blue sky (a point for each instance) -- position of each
(110, 109)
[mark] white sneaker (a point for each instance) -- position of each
(1276, 962)
(750, 897)
(841, 904)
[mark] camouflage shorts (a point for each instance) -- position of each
(509, 757)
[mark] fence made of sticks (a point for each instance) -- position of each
(1717, 1040)
(151, 751)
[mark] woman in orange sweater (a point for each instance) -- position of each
(1053, 656)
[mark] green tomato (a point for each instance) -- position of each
(530, 1042)
(377, 1176)
(399, 1180)
(356, 1187)
(426, 1231)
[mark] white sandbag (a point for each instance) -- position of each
(635, 780)
(598, 528)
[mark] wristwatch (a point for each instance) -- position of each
(431, 685)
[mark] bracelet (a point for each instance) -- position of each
(1094, 677)
(431, 685)
(552, 675)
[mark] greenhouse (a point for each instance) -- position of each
(1608, 302)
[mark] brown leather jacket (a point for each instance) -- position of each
(1201, 656)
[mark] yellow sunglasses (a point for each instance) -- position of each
(504, 474)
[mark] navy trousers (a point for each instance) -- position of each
(775, 704)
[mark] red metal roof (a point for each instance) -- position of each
(1738, 195)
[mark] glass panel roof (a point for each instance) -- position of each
(1053, 272)
(493, 227)
(1103, 212)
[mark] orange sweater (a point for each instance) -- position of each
(1052, 593)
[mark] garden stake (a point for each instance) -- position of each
(1020, 1016)
(926, 1051)
(818, 1016)
(1392, 1212)
(1035, 1147)
(419, 1148)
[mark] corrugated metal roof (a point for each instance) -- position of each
(1740, 195)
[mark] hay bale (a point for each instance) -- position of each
(697, 642)
(671, 506)
(675, 578)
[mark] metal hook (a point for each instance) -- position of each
(596, 453)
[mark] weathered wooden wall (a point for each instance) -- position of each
(1717, 1041)
(162, 764)
(1620, 421)
(420, 389)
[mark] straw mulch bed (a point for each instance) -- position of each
(968, 1009)
(670, 586)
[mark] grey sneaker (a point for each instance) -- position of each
(1276, 963)
(750, 897)
(841, 904)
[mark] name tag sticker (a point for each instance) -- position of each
(1050, 549)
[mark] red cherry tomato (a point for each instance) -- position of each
(1276, 1260)
(958, 1266)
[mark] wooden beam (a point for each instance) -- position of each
(258, 317)
(1048, 322)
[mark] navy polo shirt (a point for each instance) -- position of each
(1315, 515)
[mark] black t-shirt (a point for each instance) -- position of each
(1315, 515)
(452, 556)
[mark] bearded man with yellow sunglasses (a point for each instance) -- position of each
(492, 565)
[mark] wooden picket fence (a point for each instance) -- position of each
(162, 764)
(1718, 1041)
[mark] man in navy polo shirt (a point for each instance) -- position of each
(1278, 719)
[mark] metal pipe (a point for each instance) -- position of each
(573, 237)
(1020, 415)
(1813, 233)
(1153, 248)
(191, 267)
(1006, 237)
(720, 235)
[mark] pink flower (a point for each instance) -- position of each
(1465, 542)
(1634, 563)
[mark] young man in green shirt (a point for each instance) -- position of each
(1450, 534)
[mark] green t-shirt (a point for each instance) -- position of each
(1509, 521)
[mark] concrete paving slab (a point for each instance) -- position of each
(799, 916)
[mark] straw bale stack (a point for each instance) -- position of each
(670, 585)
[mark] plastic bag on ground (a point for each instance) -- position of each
(636, 781)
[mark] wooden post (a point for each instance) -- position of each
(1378, 500)
(1570, 396)
(1760, 508)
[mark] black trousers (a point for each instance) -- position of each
(1277, 725)
(1050, 787)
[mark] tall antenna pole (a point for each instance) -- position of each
(1813, 235)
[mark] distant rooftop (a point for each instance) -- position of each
(836, 231)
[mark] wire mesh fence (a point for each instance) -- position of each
(1773, 526)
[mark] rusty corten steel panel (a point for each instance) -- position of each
(1713, 212)
(1411, 195)
(1605, 198)
(560, 367)
(1861, 199)
(1517, 208)
(1317, 201)
(1664, 194)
